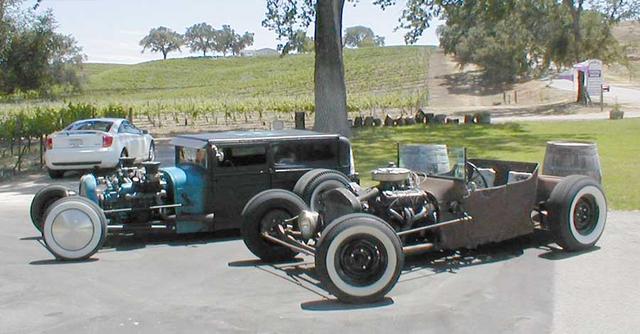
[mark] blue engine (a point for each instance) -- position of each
(147, 193)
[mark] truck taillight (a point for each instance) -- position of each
(49, 143)
(107, 141)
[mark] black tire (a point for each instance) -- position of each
(577, 212)
(341, 264)
(78, 237)
(152, 152)
(55, 174)
(43, 199)
(265, 208)
(313, 183)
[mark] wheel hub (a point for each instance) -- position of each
(585, 215)
(361, 261)
(72, 229)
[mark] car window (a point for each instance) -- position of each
(192, 156)
(91, 125)
(238, 156)
(309, 152)
(126, 127)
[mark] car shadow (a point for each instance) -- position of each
(335, 305)
(127, 242)
(301, 272)
(122, 242)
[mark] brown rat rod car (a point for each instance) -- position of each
(359, 236)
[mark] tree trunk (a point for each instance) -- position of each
(164, 55)
(576, 12)
(330, 90)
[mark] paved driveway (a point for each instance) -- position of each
(211, 283)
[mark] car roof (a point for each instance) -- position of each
(202, 139)
(103, 119)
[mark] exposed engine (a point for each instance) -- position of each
(399, 201)
(132, 194)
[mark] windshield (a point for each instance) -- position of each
(197, 156)
(90, 125)
(433, 160)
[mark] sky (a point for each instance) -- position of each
(109, 31)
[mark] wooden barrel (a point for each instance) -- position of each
(368, 121)
(388, 121)
(439, 119)
(428, 117)
(567, 158)
(430, 159)
(358, 122)
(299, 120)
(468, 119)
(483, 117)
(408, 120)
(420, 116)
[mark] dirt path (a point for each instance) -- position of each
(456, 91)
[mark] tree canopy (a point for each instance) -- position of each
(33, 56)
(201, 37)
(360, 36)
(162, 39)
(520, 37)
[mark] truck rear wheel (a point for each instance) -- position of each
(263, 213)
(359, 258)
(314, 183)
(43, 199)
(74, 228)
(577, 210)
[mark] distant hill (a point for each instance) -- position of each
(628, 33)
(382, 77)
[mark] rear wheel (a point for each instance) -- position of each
(314, 183)
(266, 212)
(43, 200)
(74, 228)
(55, 174)
(359, 258)
(577, 210)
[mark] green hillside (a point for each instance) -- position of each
(388, 77)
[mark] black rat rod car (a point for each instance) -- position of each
(215, 174)
(359, 237)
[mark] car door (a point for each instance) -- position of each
(239, 175)
(133, 140)
(140, 142)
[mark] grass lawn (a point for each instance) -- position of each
(618, 145)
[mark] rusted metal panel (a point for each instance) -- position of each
(501, 212)
(546, 183)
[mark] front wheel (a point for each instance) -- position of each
(74, 228)
(577, 210)
(266, 212)
(359, 258)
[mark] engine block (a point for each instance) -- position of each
(130, 193)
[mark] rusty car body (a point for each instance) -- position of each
(359, 237)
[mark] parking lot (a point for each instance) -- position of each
(197, 283)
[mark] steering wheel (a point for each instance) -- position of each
(473, 174)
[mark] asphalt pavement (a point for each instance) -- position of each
(212, 283)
